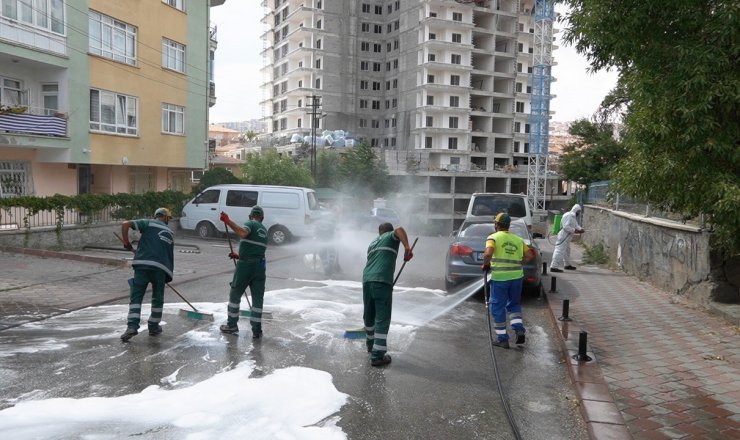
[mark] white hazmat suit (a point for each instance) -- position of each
(568, 226)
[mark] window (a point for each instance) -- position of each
(376, 104)
(364, 84)
(376, 85)
(393, 122)
(432, 14)
(520, 47)
(366, 8)
(455, 80)
(177, 4)
(317, 84)
(428, 142)
(363, 123)
(455, 58)
(318, 63)
(173, 119)
(430, 79)
(431, 57)
(456, 16)
(454, 101)
(378, 29)
(363, 103)
(364, 65)
(520, 107)
(518, 87)
(374, 123)
(430, 100)
(378, 10)
(44, 14)
(113, 113)
(377, 48)
(518, 67)
(173, 55)
(454, 160)
(15, 179)
(376, 67)
(12, 93)
(365, 27)
(240, 198)
(453, 122)
(394, 102)
(387, 104)
(430, 121)
(517, 127)
(50, 96)
(300, 122)
(452, 143)
(284, 124)
(432, 36)
(111, 38)
(395, 83)
(393, 142)
(318, 24)
(365, 46)
(457, 38)
(318, 44)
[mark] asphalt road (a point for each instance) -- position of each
(440, 385)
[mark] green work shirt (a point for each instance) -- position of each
(156, 246)
(508, 252)
(255, 244)
(381, 259)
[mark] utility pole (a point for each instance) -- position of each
(315, 103)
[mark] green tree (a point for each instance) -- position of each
(362, 173)
(679, 90)
(594, 153)
(270, 168)
(327, 169)
(215, 176)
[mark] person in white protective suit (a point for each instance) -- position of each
(568, 227)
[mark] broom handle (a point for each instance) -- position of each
(404, 263)
(168, 284)
(232, 251)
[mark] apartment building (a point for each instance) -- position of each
(440, 87)
(103, 97)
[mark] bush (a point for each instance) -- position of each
(595, 255)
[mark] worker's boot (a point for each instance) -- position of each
(229, 329)
(129, 333)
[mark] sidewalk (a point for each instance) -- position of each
(659, 370)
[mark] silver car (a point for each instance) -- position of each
(465, 254)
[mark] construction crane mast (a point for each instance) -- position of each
(539, 117)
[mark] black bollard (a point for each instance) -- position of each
(566, 306)
(582, 343)
(544, 268)
(553, 284)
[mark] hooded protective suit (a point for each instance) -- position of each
(569, 226)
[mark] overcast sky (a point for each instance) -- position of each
(238, 76)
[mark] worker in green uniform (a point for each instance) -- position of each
(153, 263)
(249, 271)
(377, 289)
(504, 255)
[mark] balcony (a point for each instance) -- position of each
(33, 121)
(211, 94)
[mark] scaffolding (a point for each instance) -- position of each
(539, 117)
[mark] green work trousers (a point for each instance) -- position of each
(142, 278)
(378, 301)
(250, 272)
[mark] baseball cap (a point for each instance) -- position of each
(257, 210)
(162, 212)
(503, 218)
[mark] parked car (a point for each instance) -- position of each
(465, 254)
(377, 216)
(290, 212)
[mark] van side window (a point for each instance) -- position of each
(280, 200)
(209, 196)
(243, 199)
(313, 203)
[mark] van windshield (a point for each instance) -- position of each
(514, 206)
(313, 203)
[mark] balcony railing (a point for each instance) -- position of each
(33, 121)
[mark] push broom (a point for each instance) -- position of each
(357, 333)
(245, 313)
(194, 314)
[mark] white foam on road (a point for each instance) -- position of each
(292, 403)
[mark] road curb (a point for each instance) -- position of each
(66, 256)
(598, 408)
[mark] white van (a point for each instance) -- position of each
(289, 211)
(485, 206)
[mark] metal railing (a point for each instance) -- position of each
(15, 218)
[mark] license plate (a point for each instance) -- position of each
(478, 256)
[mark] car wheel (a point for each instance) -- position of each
(278, 235)
(205, 230)
(533, 291)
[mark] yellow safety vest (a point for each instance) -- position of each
(508, 252)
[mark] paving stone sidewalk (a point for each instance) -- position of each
(661, 369)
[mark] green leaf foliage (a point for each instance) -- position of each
(678, 72)
(327, 169)
(362, 173)
(215, 176)
(270, 168)
(594, 153)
